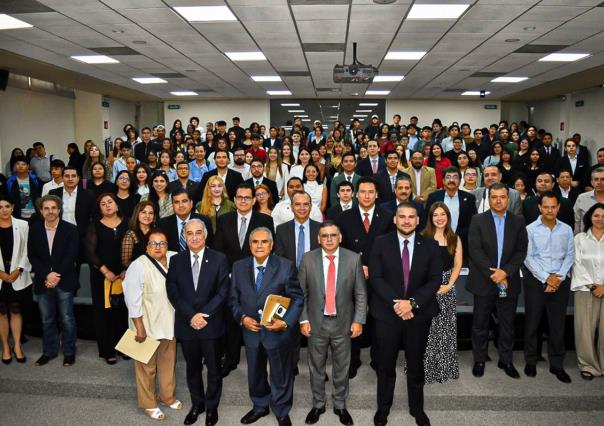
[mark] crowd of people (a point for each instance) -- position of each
(188, 231)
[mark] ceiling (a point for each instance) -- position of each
(302, 41)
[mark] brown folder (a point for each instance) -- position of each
(275, 306)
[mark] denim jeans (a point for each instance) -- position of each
(49, 302)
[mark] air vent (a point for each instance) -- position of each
(168, 75)
(486, 74)
(294, 73)
(23, 6)
(115, 51)
(323, 47)
(541, 48)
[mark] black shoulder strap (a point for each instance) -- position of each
(156, 264)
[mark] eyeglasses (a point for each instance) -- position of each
(328, 236)
(243, 198)
(454, 177)
(470, 174)
(123, 178)
(261, 194)
(157, 244)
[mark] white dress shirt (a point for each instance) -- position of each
(49, 186)
(418, 181)
(69, 205)
(256, 264)
(283, 212)
(248, 216)
(370, 212)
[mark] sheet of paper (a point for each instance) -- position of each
(274, 306)
(139, 351)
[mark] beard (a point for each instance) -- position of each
(239, 161)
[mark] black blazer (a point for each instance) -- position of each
(170, 227)
(232, 181)
(530, 211)
(572, 195)
(267, 143)
(227, 234)
(391, 206)
(467, 209)
(364, 166)
(63, 259)
(334, 212)
(580, 170)
(483, 253)
(272, 186)
(385, 192)
(84, 208)
(551, 161)
(210, 297)
(386, 277)
(353, 232)
(285, 239)
(191, 188)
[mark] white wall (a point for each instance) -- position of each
(118, 114)
(27, 117)
(471, 112)
(514, 111)
(248, 110)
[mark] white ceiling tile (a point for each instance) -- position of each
(97, 17)
(43, 19)
(255, 14)
(553, 13)
(163, 15)
(319, 12)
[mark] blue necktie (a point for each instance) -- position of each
(259, 277)
(300, 251)
(181, 239)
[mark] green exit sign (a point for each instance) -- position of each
(105, 104)
(490, 106)
(173, 106)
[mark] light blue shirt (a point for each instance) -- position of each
(447, 144)
(453, 204)
(197, 172)
(179, 224)
(550, 251)
(256, 264)
(500, 231)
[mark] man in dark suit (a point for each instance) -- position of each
(78, 205)
(232, 233)
(335, 309)
(198, 286)
(360, 226)
(373, 164)
(549, 154)
(544, 182)
(564, 186)
(498, 245)
(253, 279)
(174, 225)
(386, 179)
(257, 170)
(405, 275)
(572, 160)
(272, 140)
(349, 164)
(231, 178)
(404, 193)
(461, 204)
(345, 201)
(183, 171)
(52, 248)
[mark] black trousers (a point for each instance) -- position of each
(110, 324)
(506, 312)
(232, 341)
(388, 337)
(196, 351)
(554, 304)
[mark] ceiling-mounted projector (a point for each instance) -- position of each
(354, 73)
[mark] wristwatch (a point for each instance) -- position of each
(414, 305)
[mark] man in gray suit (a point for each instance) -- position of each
(335, 307)
(491, 175)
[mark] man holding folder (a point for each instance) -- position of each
(253, 280)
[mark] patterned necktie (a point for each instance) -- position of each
(330, 292)
(182, 242)
(301, 246)
(366, 223)
(405, 260)
(349, 178)
(374, 166)
(257, 182)
(195, 270)
(259, 277)
(242, 230)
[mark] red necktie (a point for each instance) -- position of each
(330, 292)
(366, 223)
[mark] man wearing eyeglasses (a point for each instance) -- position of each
(232, 233)
(335, 307)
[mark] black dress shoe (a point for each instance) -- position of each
(194, 412)
(380, 418)
(509, 369)
(344, 416)
(226, 369)
(478, 369)
(530, 370)
(68, 360)
(326, 377)
(43, 360)
(253, 416)
(352, 371)
(422, 419)
(211, 416)
(313, 415)
(560, 375)
(284, 421)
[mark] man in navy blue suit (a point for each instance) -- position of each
(198, 286)
(253, 279)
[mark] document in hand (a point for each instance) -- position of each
(141, 352)
(275, 306)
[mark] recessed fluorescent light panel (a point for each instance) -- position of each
(563, 57)
(368, 104)
(149, 80)
(289, 105)
(377, 92)
(9, 23)
(364, 110)
(306, 119)
(404, 56)
(184, 93)
(95, 59)
(301, 116)
(246, 56)
(473, 93)
(266, 78)
(206, 13)
(360, 115)
(508, 79)
(295, 110)
(437, 11)
(279, 93)
(387, 78)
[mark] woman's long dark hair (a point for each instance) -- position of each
(587, 223)
(430, 229)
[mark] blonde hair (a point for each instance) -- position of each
(206, 207)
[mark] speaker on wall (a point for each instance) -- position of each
(3, 79)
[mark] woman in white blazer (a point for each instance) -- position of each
(15, 279)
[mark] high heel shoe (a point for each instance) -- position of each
(20, 360)
(7, 361)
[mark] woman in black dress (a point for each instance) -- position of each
(104, 244)
(98, 183)
(15, 279)
(127, 198)
(134, 243)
